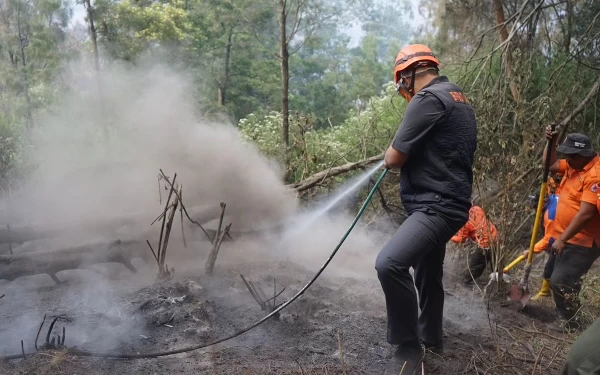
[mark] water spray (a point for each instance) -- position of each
(83, 353)
(329, 204)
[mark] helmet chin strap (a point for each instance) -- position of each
(407, 92)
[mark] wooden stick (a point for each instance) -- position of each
(564, 123)
(38, 334)
(181, 213)
(262, 296)
(223, 205)
(159, 192)
(537, 359)
(50, 329)
(252, 292)
(212, 257)
(153, 253)
(162, 228)
(22, 349)
(163, 253)
(183, 207)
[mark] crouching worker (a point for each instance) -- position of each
(545, 244)
(484, 234)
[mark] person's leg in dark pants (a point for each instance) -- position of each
(429, 274)
(421, 238)
(549, 267)
(478, 260)
(569, 268)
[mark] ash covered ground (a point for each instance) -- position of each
(336, 327)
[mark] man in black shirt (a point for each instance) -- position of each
(434, 148)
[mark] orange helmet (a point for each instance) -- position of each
(410, 57)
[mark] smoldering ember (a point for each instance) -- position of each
(249, 187)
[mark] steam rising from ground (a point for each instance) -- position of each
(85, 177)
(152, 124)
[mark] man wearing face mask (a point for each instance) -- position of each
(577, 223)
(434, 148)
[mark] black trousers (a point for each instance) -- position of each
(569, 268)
(477, 261)
(549, 267)
(420, 242)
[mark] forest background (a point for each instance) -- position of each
(309, 82)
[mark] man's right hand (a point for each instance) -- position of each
(551, 134)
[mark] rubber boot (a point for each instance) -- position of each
(544, 292)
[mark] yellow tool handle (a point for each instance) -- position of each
(536, 224)
(513, 263)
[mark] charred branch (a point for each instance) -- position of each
(218, 240)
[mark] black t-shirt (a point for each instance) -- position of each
(438, 133)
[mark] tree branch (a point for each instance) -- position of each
(319, 177)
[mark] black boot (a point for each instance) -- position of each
(405, 362)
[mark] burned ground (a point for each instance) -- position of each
(336, 327)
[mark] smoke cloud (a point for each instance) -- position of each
(96, 158)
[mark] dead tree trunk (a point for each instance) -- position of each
(52, 262)
(569, 27)
(23, 31)
(285, 81)
(225, 85)
(93, 32)
(503, 34)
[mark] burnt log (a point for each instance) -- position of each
(19, 233)
(52, 262)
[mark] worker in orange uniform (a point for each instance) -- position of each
(576, 225)
(545, 243)
(484, 234)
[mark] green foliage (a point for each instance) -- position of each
(363, 134)
(128, 29)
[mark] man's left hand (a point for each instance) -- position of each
(558, 246)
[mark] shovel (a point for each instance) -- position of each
(520, 292)
(513, 263)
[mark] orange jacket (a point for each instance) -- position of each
(479, 229)
(578, 186)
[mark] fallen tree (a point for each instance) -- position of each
(319, 177)
(18, 234)
(52, 262)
